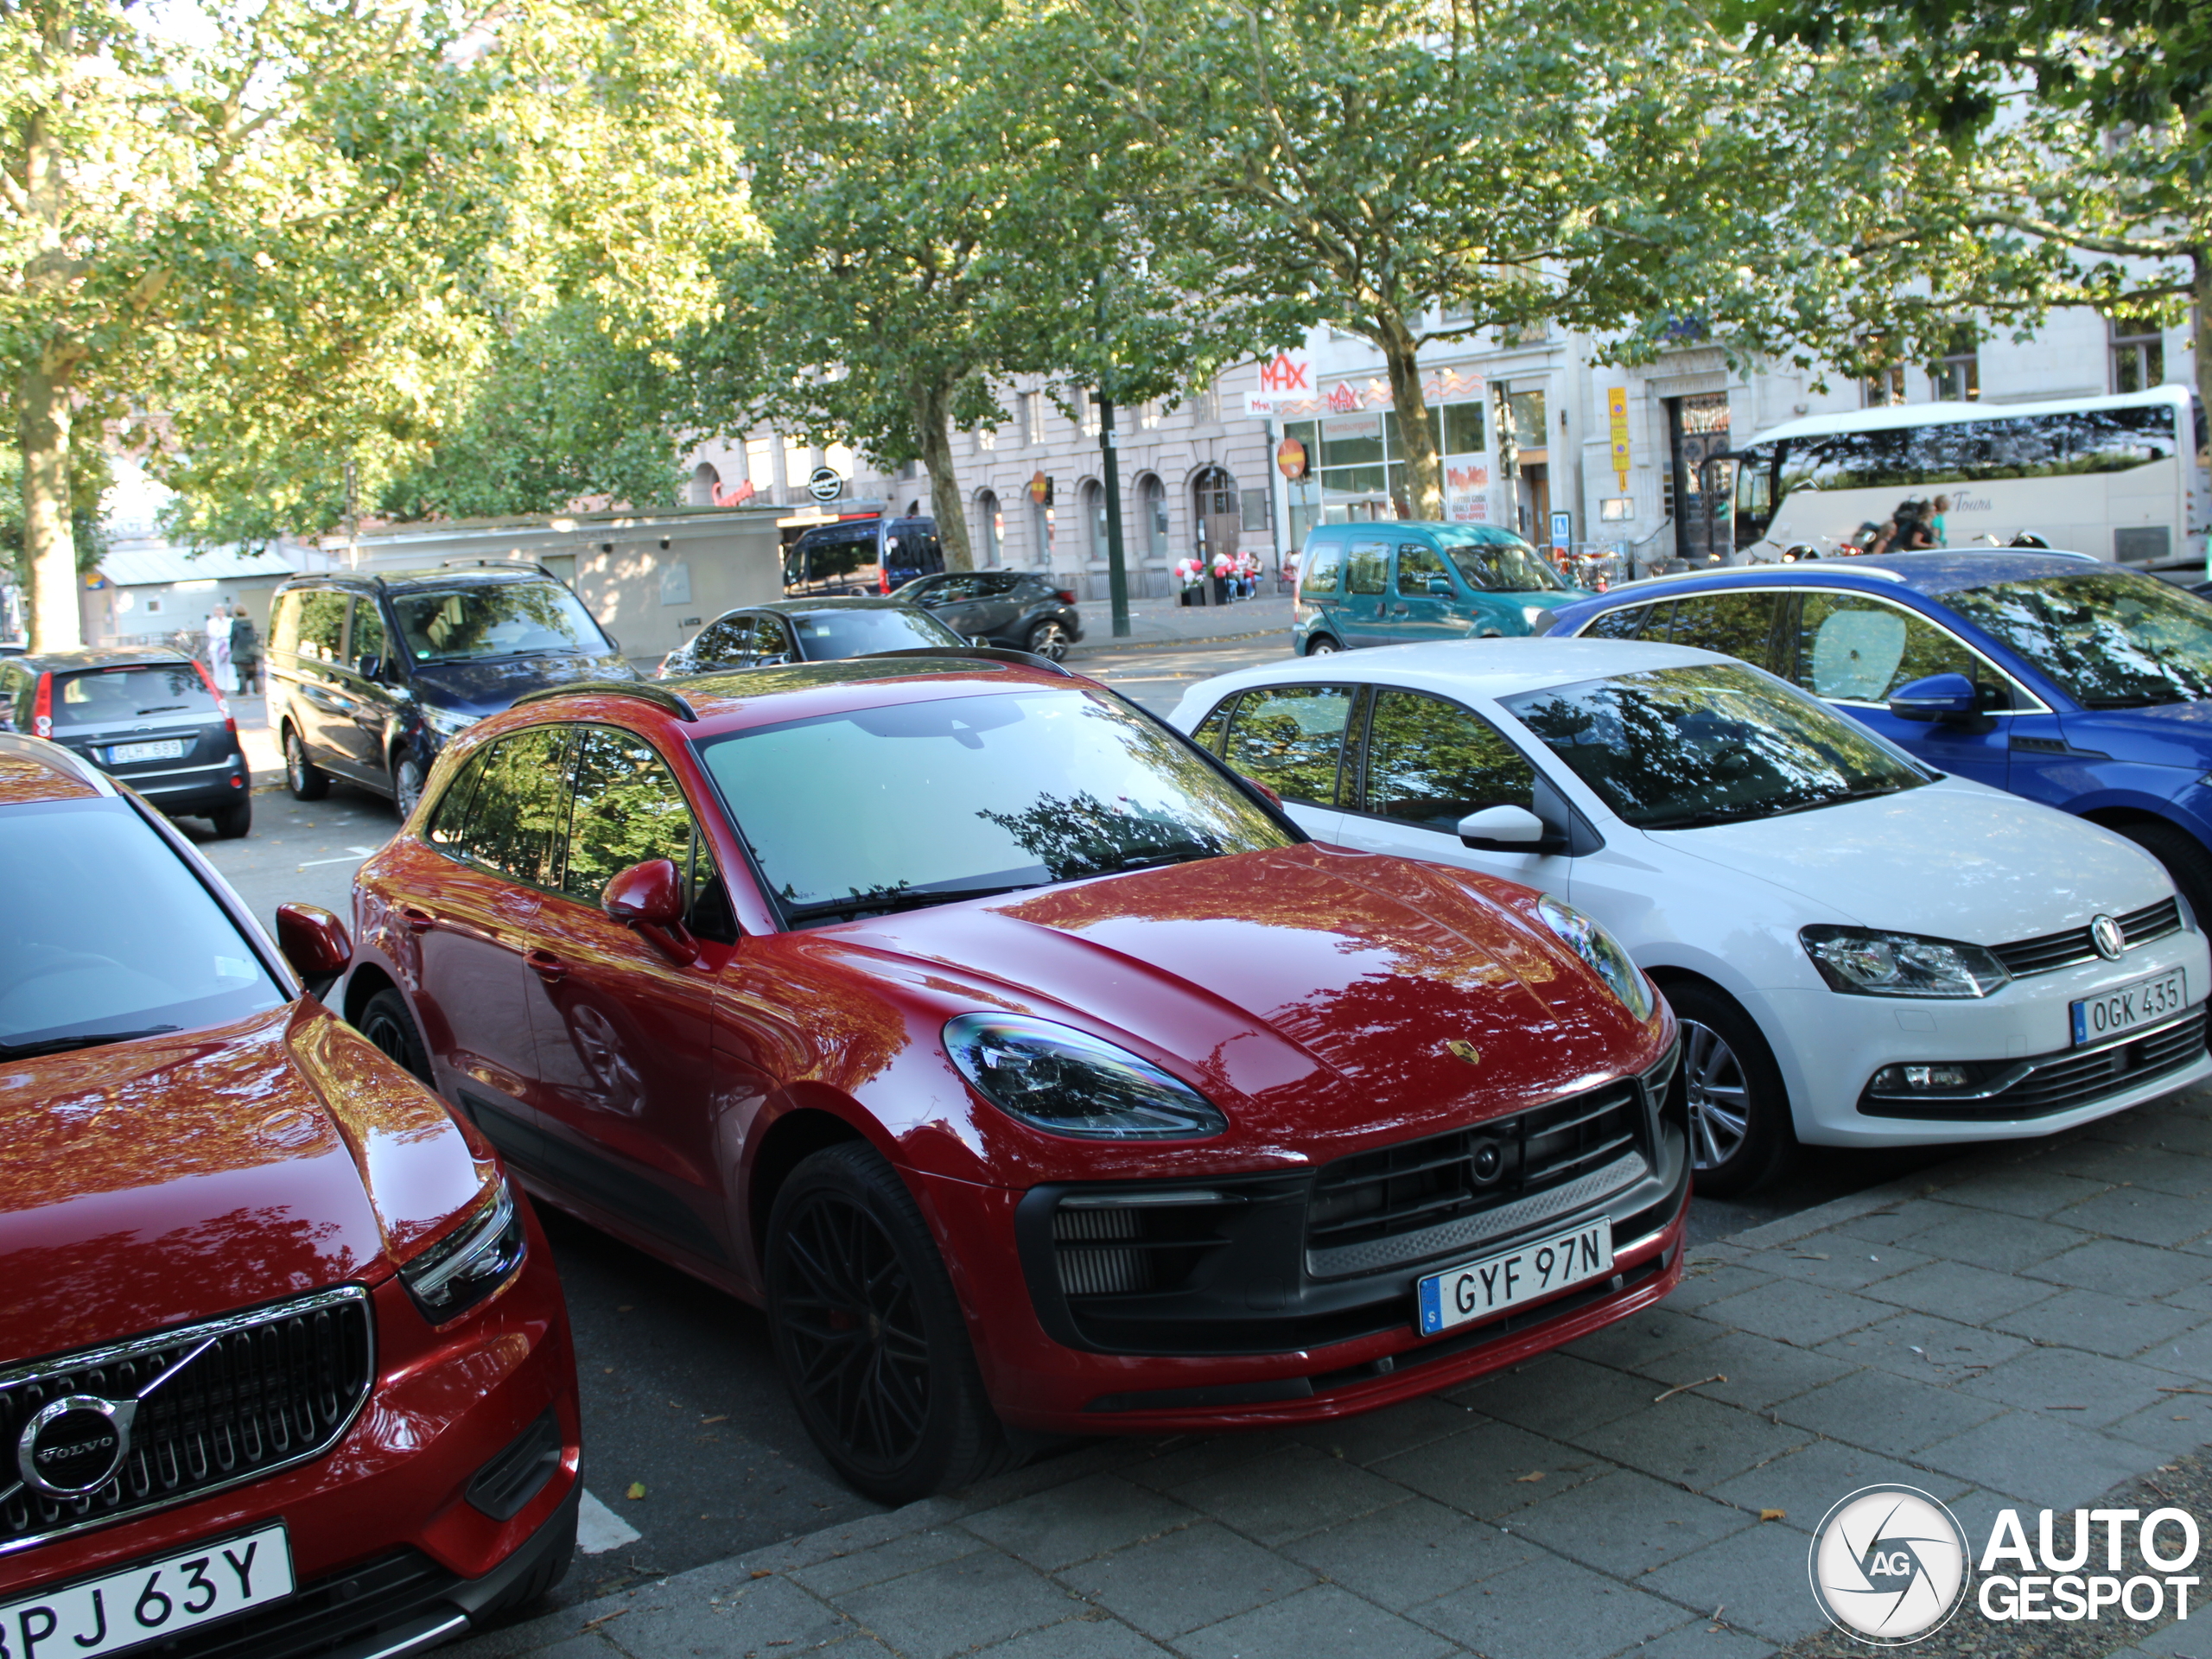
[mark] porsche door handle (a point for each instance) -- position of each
(420, 921)
(548, 966)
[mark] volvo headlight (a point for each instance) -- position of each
(1866, 962)
(1065, 1082)
(1602, 952)
(469, 1262)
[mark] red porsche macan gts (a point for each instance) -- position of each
(1033, 1068)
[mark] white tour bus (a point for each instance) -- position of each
(2122, 478)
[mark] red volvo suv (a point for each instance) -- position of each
(1033, 1068)
(284, 1368)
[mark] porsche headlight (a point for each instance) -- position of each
(469, 1262)
(1066, 1081)
(1863, 961)
(1602, 952)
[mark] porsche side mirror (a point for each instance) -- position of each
(1508, 830)
(648, 900)
(315, 941)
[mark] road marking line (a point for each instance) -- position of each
(357, 854)
(600, 1530)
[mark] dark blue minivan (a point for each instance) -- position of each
(2067, 679)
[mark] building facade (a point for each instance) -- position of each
(1534, 431)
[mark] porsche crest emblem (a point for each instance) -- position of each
(1460, 1049)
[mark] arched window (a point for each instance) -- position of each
(1151, 515)
(1094, 517)
(705, 481)
(914, 508)
(994, 528)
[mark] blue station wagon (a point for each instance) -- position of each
(2067, 680)
(1393, 583)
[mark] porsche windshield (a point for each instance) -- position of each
(2112, 638)
(920, 803)
(1679, 748)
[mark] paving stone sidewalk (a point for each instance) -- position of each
(2015, 1328)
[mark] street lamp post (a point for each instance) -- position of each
(1117, 573)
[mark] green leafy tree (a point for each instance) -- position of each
(2069, 149)
(1425, 170)
(292, 244)
(945, 208)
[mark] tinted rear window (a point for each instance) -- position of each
(107, 697)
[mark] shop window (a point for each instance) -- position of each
(2139, 357)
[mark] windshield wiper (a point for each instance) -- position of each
(1838, 799)
(164, 708)
(905, 899)
(1189, 852)
(81, 1040)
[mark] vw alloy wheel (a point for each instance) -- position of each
(1049, 640)
(1719, 1101)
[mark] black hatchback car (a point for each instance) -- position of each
(807, 631)
(147, 715)
(369, 675)
(1020, 609)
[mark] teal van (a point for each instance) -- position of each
(1392, 583)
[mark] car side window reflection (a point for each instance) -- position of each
(1418, 566)
(517, 804)
(1290, 738)
(1735, 625)
(1432, 762)
(1852, 648)
(1367, 569)
(1209, 730)
(448, 830)
(1622, 624)
(722, 641)
(626, 810)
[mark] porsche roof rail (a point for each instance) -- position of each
(659, 696)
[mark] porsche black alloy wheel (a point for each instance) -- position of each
(386, 1023)
(870, 1338)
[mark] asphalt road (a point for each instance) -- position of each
(682, 1405)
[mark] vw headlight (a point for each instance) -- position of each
(1864, 962)
(1602, 952)
(469, 1262)
(447, 722)
(1063, 1081)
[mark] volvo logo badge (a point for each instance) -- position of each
(73, 1446)
(1460, 1049)
(2105, 933)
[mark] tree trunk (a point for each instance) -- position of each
(932, 417)
(1416, 425)
(42, 429)
(2200, 271)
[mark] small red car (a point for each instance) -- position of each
(284, 1366)
(1030, 1067)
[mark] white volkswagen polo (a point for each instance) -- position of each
(1862, 950)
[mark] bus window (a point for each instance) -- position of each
(1754, 494)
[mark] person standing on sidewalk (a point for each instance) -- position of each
(245, 654)
(218, 643)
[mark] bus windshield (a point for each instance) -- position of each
(2111, 639)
